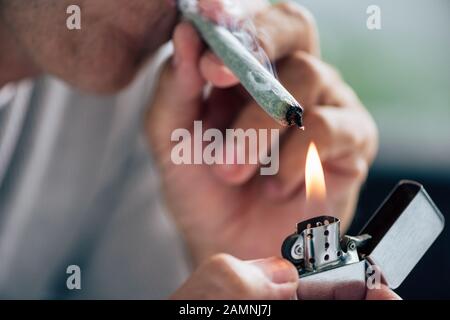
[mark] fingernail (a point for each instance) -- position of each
(214, 59)
(283, 273)
(278, 270)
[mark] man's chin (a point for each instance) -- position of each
(105, 85)
(103, 79)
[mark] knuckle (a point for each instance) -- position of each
(321, 123)
(286, 27)
(331, 74)
(306, 67)
(371, 142)
(358, 168)
(325, 81)
(219, 261)
(266, 42)
(365, 139)
(222, 264)
(361, 170)
(304, 17)
(297, 11)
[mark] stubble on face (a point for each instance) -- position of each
(116, 38)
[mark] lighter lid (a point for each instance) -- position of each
(402, 230)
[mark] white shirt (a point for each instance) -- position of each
(77, 187)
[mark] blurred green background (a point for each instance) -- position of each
(402, 74)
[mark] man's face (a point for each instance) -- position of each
(115, 37)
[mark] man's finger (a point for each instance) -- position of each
(340, 143)
(268, 279)
(178, 95)
(249, 122)
(280, 30)
(230, 11)
(223, 276)
(213, 70)
(306, 78)
(285, 28)
(383, 293)
(282, 274)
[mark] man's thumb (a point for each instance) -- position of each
(177, 100)
(282, 275)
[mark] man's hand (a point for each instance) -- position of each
(382, 293)
(231, 208)
(224, 277)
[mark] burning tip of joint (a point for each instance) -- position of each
(294, 115)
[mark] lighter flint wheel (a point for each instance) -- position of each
(286, 248)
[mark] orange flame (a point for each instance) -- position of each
(314, 176)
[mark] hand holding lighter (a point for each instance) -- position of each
(392, 242)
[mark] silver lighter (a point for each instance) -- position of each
(391, 243)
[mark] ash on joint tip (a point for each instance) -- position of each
(294, 115)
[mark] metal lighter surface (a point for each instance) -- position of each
(392, 243)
